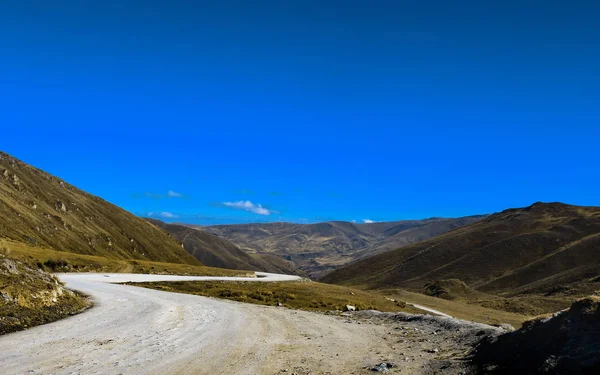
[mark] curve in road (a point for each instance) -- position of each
(133, 330)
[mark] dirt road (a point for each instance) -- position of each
(135, 330)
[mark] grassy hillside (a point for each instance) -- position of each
(39, 209)
(547, 248)
(60, 261)
(322, 247)
(216, 251)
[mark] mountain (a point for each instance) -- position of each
(548, 249)
(216, 251)
(43, 211)
(322, 247)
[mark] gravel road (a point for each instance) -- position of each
(133, 330)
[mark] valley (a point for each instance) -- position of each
(141, 296)
(320, 248)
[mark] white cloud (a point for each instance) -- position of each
(168, 215)
(249, 207)
(368, 221)
(174, 194)
(150, 213)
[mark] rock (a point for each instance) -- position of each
(5, 173)
(507, 327)
(435, 350)
(5, 296)
(349, 308)
(382, 367)
(279, 304)
(61, 206)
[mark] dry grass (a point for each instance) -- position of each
(303, 295)
(42, 210)
(460, 309)
(31, 297)
(58, 261)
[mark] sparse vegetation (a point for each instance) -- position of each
(304, 295)
(39, 209)
(527, 261)
(30, 297)
(59, 261)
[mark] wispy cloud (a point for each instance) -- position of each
(169, 194)
(168, 215)
(249, 207)
(174, 194)
(368, 221)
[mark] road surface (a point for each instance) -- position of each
(133, 330)
(429, 309)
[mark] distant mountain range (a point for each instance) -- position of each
(216, 251)
(548, 249)
(319, 248)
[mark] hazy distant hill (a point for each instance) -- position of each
(546, 248)
(319, 248)
(39, 209)
(216, 251)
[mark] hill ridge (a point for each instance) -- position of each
(40, 209)
(514, 248)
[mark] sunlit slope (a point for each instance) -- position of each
(39, 209)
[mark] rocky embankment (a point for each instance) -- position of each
(567, 342)
(30, 297)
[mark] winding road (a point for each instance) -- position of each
(133, 330)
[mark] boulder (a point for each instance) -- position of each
(349, 308)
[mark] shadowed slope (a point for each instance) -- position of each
(216, 251)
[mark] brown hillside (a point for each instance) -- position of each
(546, 248)
(216, 251)
(39, 209)
(322, 247)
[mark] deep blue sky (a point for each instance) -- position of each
(315, 110)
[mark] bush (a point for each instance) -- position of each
(56, 265)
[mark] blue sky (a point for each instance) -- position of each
(227, 112)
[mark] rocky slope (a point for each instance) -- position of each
(30, 297)
(565, 343)
(546, 248)
(322, 247)
(39, 209)
(216, 251)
